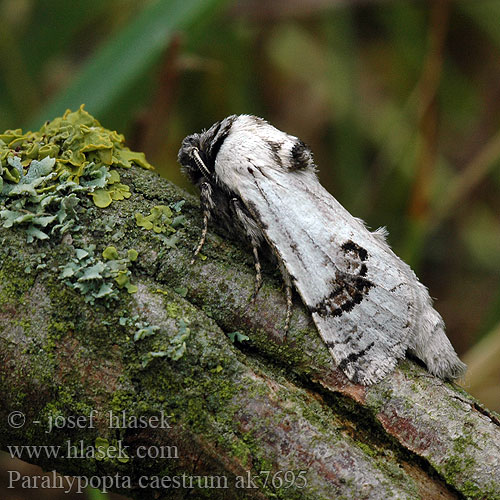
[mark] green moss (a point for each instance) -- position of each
(173, 310)
(25, 323)
(461, 461)
(471, 490)
(72, 318)
(367, 449)
(14, 286)
(122, 400)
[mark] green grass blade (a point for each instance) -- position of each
(93, 494)
(125, 58)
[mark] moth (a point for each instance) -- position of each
(368, 305)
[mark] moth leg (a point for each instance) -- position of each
(288, 317)
(245, 222)
(206, 202)
(258, 271)
(288, 290)
(203, 236)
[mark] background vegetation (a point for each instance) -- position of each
(399, 100)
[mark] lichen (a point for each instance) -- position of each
(49, 179)
(95, 278)
(162, 221)
(173, 349)
(237, 337)
(46, 175)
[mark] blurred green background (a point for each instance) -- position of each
(399, 100)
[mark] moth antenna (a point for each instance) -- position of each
(199, 162)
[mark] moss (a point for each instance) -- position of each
(15, 284)
(367, 449)
(459, 462)
(376, 400)
(173, 310)
(122, 400)
(58, 329)
(471, 490)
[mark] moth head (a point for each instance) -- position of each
(198, 153)
(193, 160)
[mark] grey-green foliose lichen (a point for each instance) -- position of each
(46, 175)
(49, 178)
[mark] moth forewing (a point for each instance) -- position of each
(367, 304)
(360, 321)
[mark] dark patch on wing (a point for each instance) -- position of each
(263, 172)
(295, 250)
(354, 356)
(253, 209)
(301, 156)
(333, 343)
(348, 291)
(275, 149)
(350, 246)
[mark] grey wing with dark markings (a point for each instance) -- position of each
(358, 297)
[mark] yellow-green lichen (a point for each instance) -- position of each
(45, 176)
(173, 309)
(162, 221)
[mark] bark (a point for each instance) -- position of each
(233, 409)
